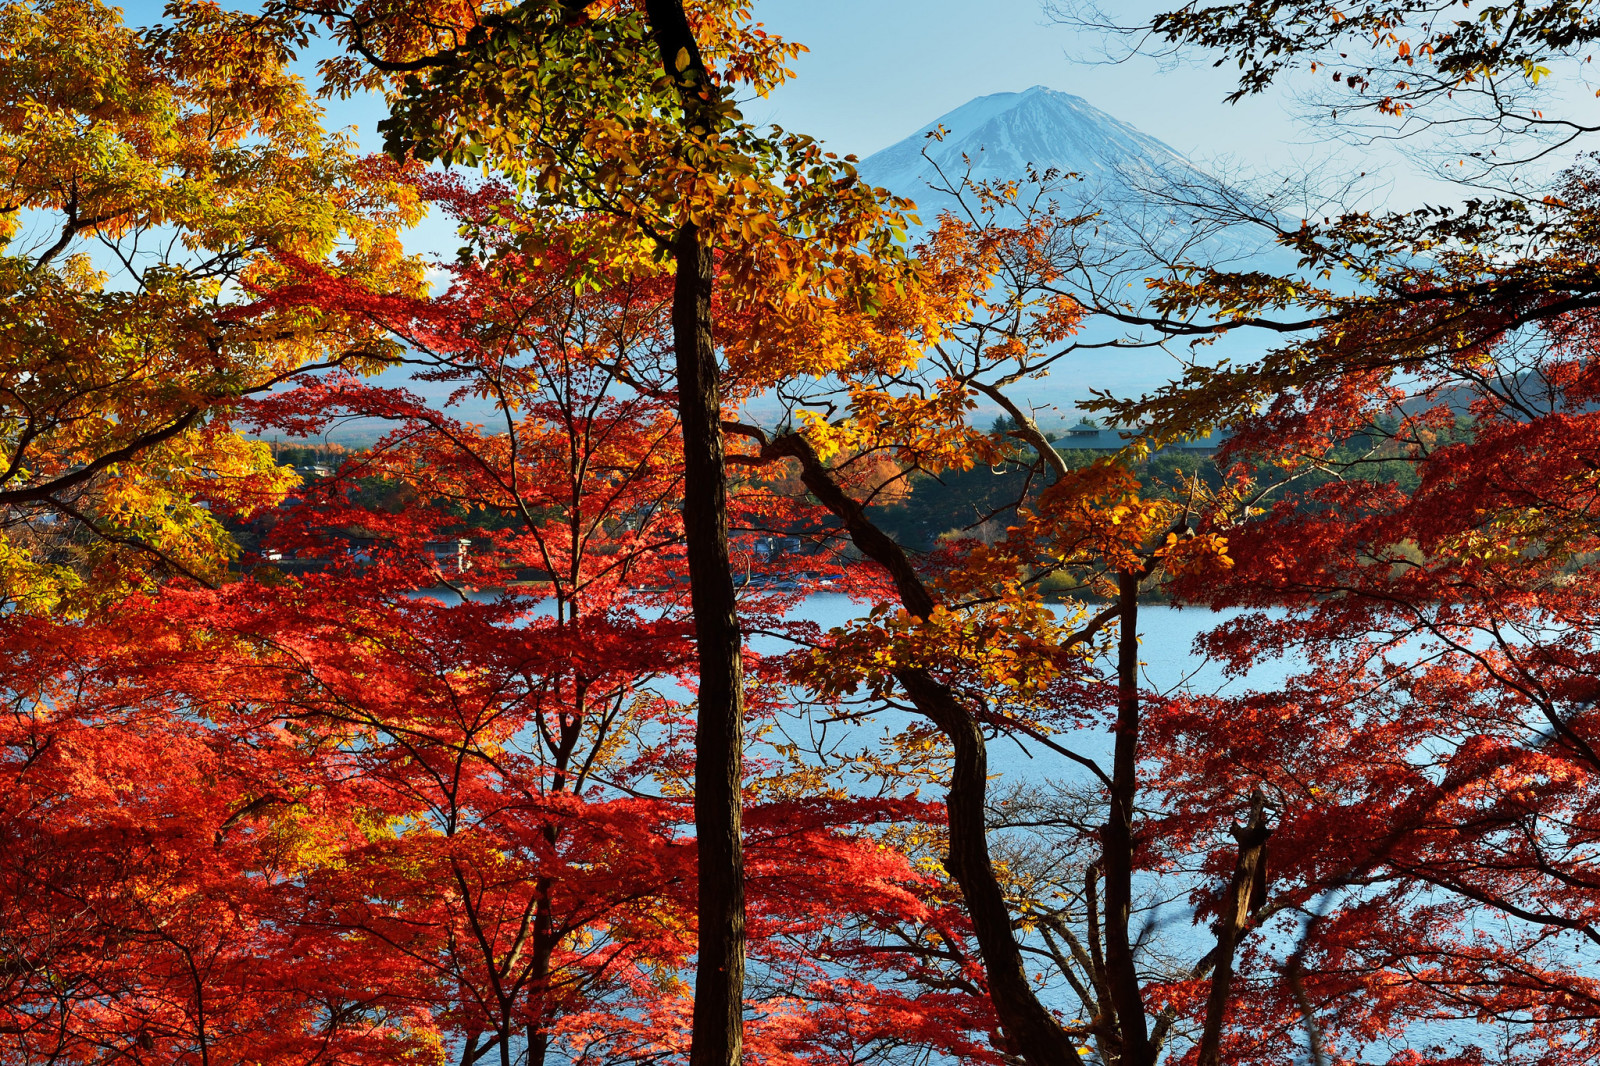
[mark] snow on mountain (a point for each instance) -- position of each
(1120, 172)
(1005, 133)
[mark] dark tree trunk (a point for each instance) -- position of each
(1116, 837)
(1245, 894)
(1030, 1030)
(718, 1034)
(719, 733)
(544, 942)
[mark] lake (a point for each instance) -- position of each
(1166, 652)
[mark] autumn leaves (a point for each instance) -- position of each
(558, 808)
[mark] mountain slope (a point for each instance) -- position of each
(1003, 134)
(1120, 174)
(1006, 132)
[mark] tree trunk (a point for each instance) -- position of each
(544, 942)
(1116, 838)
(718, 1033)
(1245, 894)
(1030, 1030)
(719, 732)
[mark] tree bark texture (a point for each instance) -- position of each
(1031, 1031)
(717, 1039)
(718, 1028)
(1246, 893)
(1116, 838)
(544, 943)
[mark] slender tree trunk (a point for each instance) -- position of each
(718, 1034)
(719, 732)
(544, 943)
(1122, 977)
(1031, 1031)
(1106, 1038)
(1245, 894)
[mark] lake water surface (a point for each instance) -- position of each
(1168, 661)
(1166, 653)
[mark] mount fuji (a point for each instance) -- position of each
(1006, 133)
(1119, 172)
(1003, 135)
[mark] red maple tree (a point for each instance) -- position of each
(463, 818)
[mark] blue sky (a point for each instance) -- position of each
(877, 70)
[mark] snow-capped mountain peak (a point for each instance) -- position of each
(1146, 199)
(1004, 133)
